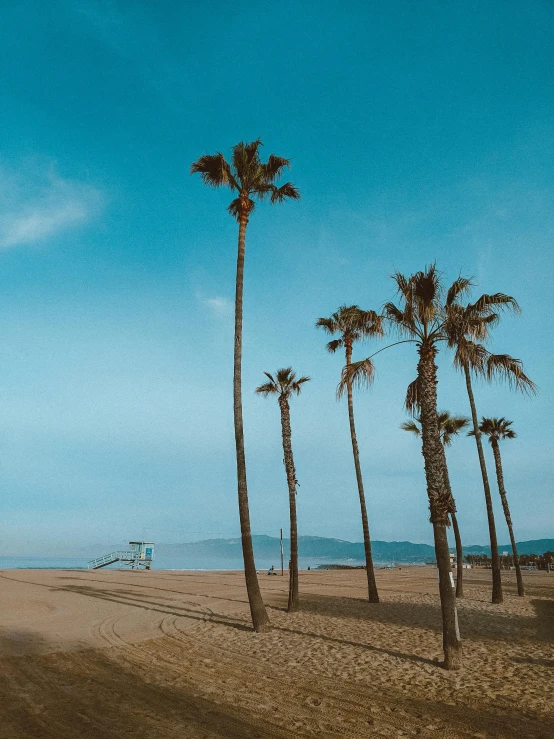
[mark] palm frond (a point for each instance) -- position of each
(288, 190)
(501, 301)
(235, 207)
(411, 426)
(507, 368)
(251, 150)
(403, 285)
(332, 346)
(214, 171)
(394, 314)
(426, 292)
(274, 167)
(368, 322)
(297, 386)
(412, 402)
(478, 328)
(426, 285)
(268, 388)
(246, 161)
(469, 353)
(285, 375)
(356, 375)
(329, 325)
(460, 287)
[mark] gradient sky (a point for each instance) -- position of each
(417, 131)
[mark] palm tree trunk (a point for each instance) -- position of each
(294, 603)
(260, 619)
(372, 594)
(503, 497)
(439, 503)
(459, 557)
(495, 559)
(457, 537)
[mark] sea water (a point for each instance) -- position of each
(170, 562)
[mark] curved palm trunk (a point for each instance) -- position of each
(372, 594)
(502, 491)
(439, 503)
(459, 557)
(495, 559)
(293, 604)
(260, 619)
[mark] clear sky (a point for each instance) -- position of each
(417, 131)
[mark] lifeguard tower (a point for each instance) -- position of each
(138, 556)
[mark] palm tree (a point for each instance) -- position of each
(354, 324)
(251, 180)
(498, 429)
(449, 426)
(284, 385)
(466, 328)
(420, 318)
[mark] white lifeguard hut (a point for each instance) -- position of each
(138, 556)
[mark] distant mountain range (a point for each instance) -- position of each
(266, 549)
(331, 549)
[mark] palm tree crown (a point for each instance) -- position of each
(428, 315)
(247, 176)
(466, 327)
(353, 323)
(496, 429)
(449, 426)
(284, 384)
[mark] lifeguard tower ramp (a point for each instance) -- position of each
(138, 556)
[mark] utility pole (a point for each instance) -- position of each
(282, 561)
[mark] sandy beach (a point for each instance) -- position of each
(171, 654)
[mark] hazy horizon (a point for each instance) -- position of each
(98, 548)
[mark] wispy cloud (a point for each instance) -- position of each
(219, 305)
(37, 203)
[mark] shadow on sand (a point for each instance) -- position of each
(87, 694)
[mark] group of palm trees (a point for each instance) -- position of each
(426, 315)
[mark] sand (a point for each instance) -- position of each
(171, 654)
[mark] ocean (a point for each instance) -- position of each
(168, 562)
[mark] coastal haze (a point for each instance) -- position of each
(226, 554)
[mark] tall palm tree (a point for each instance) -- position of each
(466, 327)
(420, 318)
(354, 324)
(284, 385)
(449, 426)
(498, 429)
(250, 179)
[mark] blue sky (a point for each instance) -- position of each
(417, 131)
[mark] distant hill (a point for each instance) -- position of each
(308, 546)
(313, 547)
(534, 546)
(331, 549)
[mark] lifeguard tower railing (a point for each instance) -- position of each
(139, 556)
